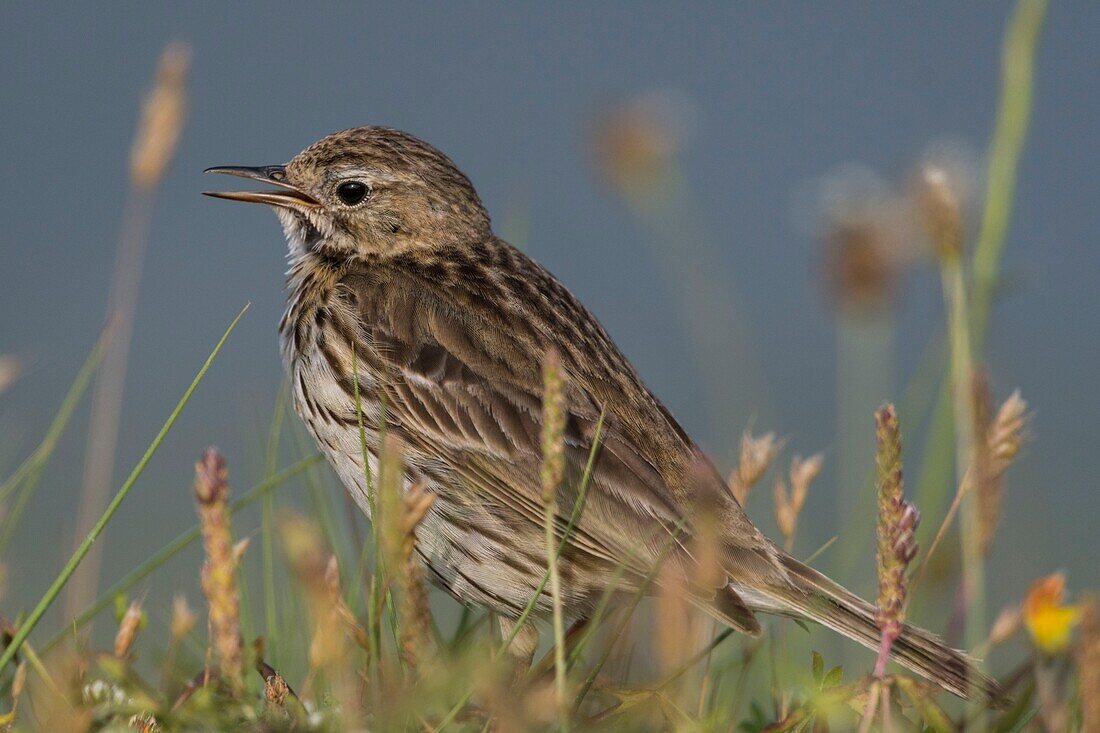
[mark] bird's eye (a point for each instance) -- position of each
(352, 192)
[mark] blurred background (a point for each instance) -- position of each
(684, 172)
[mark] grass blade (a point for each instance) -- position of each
(171, 549)
(86, 545)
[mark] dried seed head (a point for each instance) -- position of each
(1005, 626)
(897, 522)
(162, 118)
(183, 618)
(219, 573)
(803, 472)
(553, 425)
(636, 143)
(757, 453)
(941, 209)
(276, 690)
(211, 475)
(127, 629)
(788, 503)
(999, 441)
(239, 549)
(144, 723)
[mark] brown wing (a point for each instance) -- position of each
(463, 385)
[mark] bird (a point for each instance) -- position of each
(407, 316)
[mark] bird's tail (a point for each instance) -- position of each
(813, 596)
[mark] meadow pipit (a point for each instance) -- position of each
(394, 268)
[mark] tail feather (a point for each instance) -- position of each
(813, 596)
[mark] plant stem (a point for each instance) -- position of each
(82, 550)
(1013, 118)
(962, 368)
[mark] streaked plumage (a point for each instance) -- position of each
(448, 326)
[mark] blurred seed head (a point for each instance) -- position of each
(127, 629)
(183, 618)
(757, 453)
(789, 502)
(10, 369)
(161, 118)
(1008, 622)
(219, 572)
(998, 442)
(941, 210)
(941, 192)
(866, 231)
(635, 143)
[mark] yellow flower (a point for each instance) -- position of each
(1049, 622)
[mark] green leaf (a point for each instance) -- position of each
(818, 667)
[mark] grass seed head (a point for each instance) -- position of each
(757, 454)
(219, 573)
(162, 118)
(998, 442)
(941, 209)
(897, 523)
(127, 629)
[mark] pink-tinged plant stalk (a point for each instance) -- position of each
(897, 522)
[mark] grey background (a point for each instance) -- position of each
(782, 94)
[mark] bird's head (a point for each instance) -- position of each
(367, 191)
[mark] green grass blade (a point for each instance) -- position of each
(174, 547)
(1009, 133)
(32, 466)
(86, 545)
(267, 529)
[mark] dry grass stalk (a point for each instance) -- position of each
(416, 616)
(897, 521)
(18, 684)
(757, 453)
(1088, 665)
(154, 144)
(328, 652)
(1005, 626)
(674, 620)
(127, 629)
(998, 442)
(181, 622)
(550, 475)
(309, 562)
(162, 118)
(219, 573)
(789, 502)
(352, 627)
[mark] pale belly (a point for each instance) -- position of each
(469, 550)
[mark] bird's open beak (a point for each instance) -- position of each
(289, 197)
